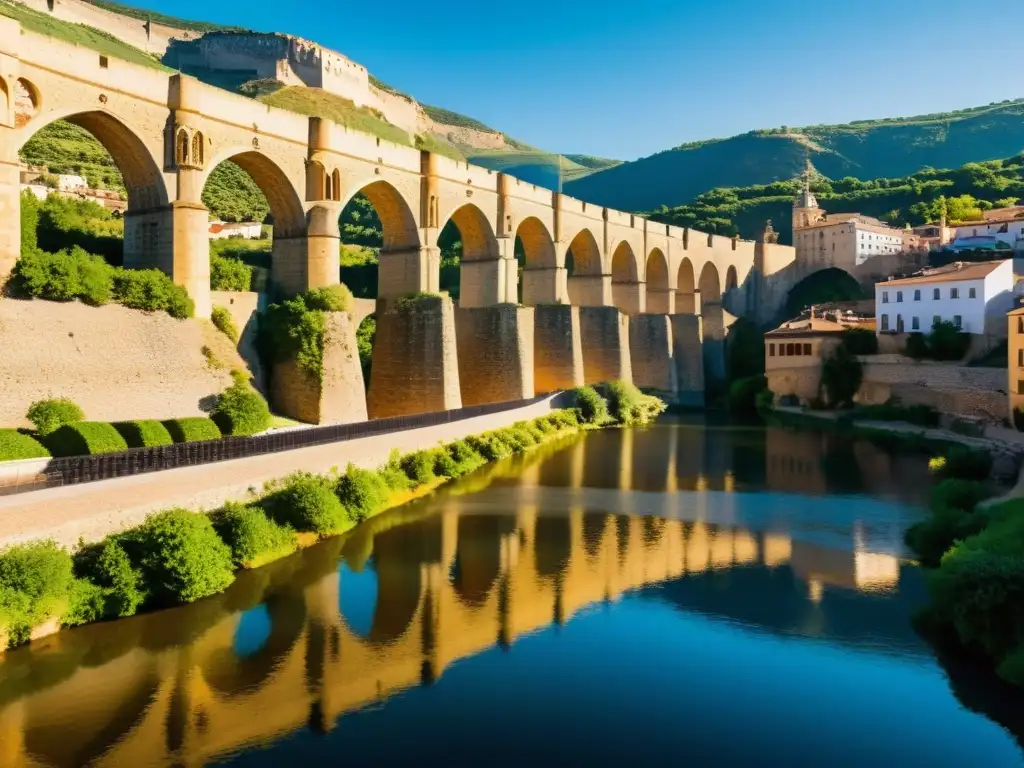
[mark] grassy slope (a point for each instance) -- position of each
(78, 34)
(864, 150)
(158, 18)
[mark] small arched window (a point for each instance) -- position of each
(329, 187)
(335, 185)
(182, 147)
(198, 150)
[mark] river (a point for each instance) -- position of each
(719, 594)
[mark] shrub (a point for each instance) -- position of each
(222, 320)
(14, 446)
(108, 566)
(743, 394)
(628, 405)
(841, 374)
(1011, 669)
(419, 467)
(291, 331)
(930, 539)
(86, 602)
(860, 341)
(229, 274)
(253, 537)
(466, 459)
(308, 504)
(153, 291)
(143, 434)
(332, 298)
(959, 494)
(241, 410)
(192, 430)
(565, 418)
(64, 276)
(490, 446)
(362, 492)
(764, 401)
(34, 583)
(49, 415)
(964, 463)
(591, 406)
(916, 346)
(86, 438)
(180, 556)
(947, 342)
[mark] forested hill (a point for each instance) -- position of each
(867, 149)
(916, 199)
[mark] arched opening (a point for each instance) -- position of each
(822, 287)
(5, 101)
(26, 102)
(627, 290)
(535, 251)
(731, 280)
(76, 206)
(469, 256)
(365, 334)
(257, 218)
(686, 289)
(335, 186)
(198, 149)
(660, 299)
(586, 283)
(477, 562)
(713, 329)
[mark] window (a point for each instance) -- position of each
(789, 349)
(104, 63)
(972, 293)
(954, 293)
(807, 349)
(885, 322)
(935, 294)
(958, 321)
(915, 324)
(899, 296)
(771, 350)
(1020, 325)
(1020, 358)
(885, 297)
(917, 294)
(798, 350)
(1020, 387)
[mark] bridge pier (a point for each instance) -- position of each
(545, 285)
(590, 290)
(557, 348)
(488, 282)
(687, 303)
(495, 353)
(630, 298)
(661, 301)
(415, 366)
(688, 356)
(713, 333)
(10, 215)
(604, 332)
(650, 352)
(408, 270)
(323, 240)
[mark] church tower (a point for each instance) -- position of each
(805, 207)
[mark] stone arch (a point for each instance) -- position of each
(316, 180)
(27, 102)
(586, 283)
(731, 279)
(712, 327)
(686, 288)
(478, 240)
(542, 281)
(182, 147)
(5, 102)
(398, 223)
(477, 563)
(627, 290)
(659, 296)
(710, 284)
(286, 209)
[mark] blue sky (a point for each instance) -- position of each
(632, 78)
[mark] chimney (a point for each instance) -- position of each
(812, 311)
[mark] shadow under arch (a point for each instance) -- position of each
(552, 545)
(658, 285)
(626, 289)
(686, 288)
(478, 240)
(584, 270)
(143, 180)
(477, 564)
(535, 251)
(286, 208)
(398, 229)
(821, 287)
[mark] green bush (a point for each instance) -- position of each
(591, 406)
(29, 222)
(628, 405)
(64, 276)
(964, 463)
(143, 434)
(49, 415)
(1011, 668)
(153, 291)
(222, 320)
(181, 557)
(15, 446)
(841, 375)
(308, 504)
(490, 446)
(331, 298)
(930, 539)
(419, 467)
(565, 418)
(743, 394)
(860, 341)
(764, 401)
(192, 430)
(86, 602)
(959, 494)
(241, 410)
(916, 346)
(290, 331)
(229, 274)
(85, 438)
(362, 492)
(253, 537)
(108, 566)
(947, 342)
(34, 583)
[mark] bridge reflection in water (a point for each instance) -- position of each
(528, 544)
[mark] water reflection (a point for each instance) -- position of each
(673, 515)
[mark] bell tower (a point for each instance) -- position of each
(805, 207)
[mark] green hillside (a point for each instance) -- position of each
(864, 150)
(158, 18)
(916, 199)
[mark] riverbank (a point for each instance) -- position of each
(178, 556)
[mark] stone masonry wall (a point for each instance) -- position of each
(557, 348)
(605, 335)
(650, 352)
(243, 307)
(688, 354)
(116, 363)
(495, 353)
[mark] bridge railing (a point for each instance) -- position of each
(73, 470)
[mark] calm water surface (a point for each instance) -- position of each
(715, 594)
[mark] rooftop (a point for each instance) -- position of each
(807, 326)
(954, 272)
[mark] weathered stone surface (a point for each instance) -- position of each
(651, 353)
(557, 348)
(495, 353)
(689, 358)
(605, 335)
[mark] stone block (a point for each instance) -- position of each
(650, 352)
(495, 347)
(339, 397)
(557, 348)
(688, 355)
(415, 366)
(604, 332)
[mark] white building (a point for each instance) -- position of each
(249, 230)
(974, 297)
(1000, 228)
(68, 182)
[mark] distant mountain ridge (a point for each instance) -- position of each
(866, 149)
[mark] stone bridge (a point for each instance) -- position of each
(607, 294)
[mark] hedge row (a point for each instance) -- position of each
(178, 556)
(974, 560)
